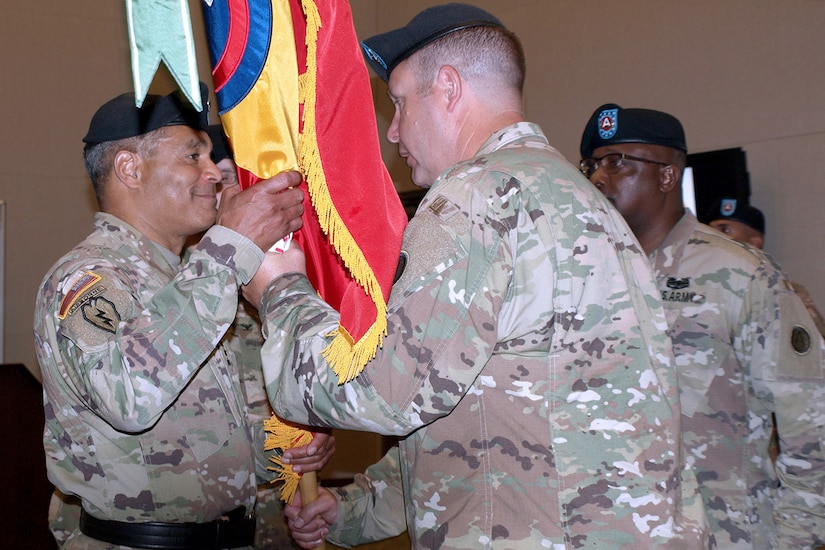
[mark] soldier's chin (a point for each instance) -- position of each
(418, 178)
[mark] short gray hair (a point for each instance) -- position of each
(99, 157)
(474, 52)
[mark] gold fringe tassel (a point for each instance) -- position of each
(280, 435)
(346, 357)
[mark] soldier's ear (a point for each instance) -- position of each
(449, 85)
(756, 240)
(126, 168)
(669, 178)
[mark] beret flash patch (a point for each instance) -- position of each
(608, 123)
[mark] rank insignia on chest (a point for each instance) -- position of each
(442, 208)
(678, 283)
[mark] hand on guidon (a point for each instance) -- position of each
(312, 457)
(275, 264)
(309, 524)
(266, 212)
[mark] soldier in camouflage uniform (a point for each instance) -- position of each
(145, 418)
(746, 224)
(746, 348)
(525, 361)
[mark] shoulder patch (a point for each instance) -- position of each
(102, 313)
(83, 284)
(93, 308)
(801, 340)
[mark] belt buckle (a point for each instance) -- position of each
(233, 525)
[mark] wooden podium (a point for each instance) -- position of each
(24, 500)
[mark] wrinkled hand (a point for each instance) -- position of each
(312, 457)
(275, 264)
(266, 212)
(309, 524)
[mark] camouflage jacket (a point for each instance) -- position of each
(244, 339)
(371, 508)
(145, 419)
(746, 349)
(526, 357)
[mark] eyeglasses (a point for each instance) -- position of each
(611, 163)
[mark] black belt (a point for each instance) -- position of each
(232, 531)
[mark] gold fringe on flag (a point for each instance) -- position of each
(346, 357)
(280, 435)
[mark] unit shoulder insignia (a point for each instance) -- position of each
(77, 290)
(92, 308)
(801, 339)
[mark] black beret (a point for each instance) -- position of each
(385, 51)
(610, 124)
(735, 209)
(120, 118)
(220, 144)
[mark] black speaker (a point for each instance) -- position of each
(716, 174)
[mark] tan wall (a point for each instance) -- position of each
(747, 73)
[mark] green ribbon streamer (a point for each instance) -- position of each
(162, 30)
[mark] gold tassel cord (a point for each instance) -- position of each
(280, 435)
(346, 356)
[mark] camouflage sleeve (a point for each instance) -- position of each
(128, 356)
(442, 330)
(805, 296)
(786, 356)
(296, 325)
(371, 508)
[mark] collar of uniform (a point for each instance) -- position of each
(151, 251)
(676, 240)
(512, 134)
